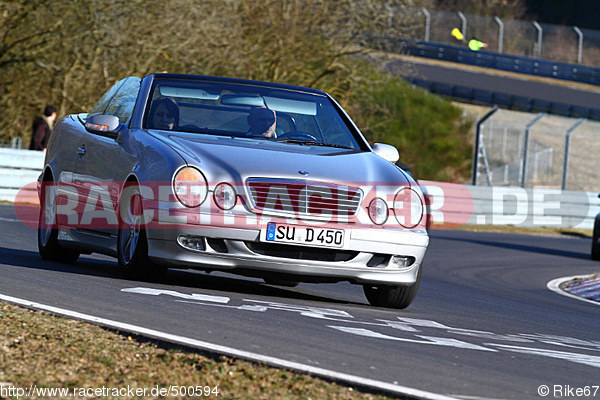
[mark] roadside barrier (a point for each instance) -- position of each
(450, 204)
(17, 169)
(509, 101)
(489, 59)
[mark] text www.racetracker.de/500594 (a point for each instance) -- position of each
(126, 391)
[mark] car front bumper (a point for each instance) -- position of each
(235, 253)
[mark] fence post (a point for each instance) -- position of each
(427, 23)
(464, 25)
(526, 146)
(477, 141)
(500, 33)
(580, 44)
(539, 41)
(17, 143)
(567, 145)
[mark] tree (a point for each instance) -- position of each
(514, 9)
(68, 53)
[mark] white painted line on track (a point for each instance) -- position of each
(189, 342)
(23, 221)
(4, 219)
(554, 285)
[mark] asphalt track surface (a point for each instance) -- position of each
(483, 326)
(495, 81)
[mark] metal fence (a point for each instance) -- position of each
(15, 143)
(537, 150)
(568, 44)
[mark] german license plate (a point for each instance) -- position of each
(308, 236)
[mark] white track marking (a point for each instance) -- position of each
(189, 342)
(195, 297)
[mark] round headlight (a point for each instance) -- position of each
(190, 187)
(224, 196)
(408, 208)
(378, 211)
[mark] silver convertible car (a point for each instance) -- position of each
(258, 179)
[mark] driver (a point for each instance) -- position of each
(262, 122)
(164, 114)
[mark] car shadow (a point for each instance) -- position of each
(174, 278)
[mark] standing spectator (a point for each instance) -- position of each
(42, 127)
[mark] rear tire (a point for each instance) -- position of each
(596, 240)
(398, 297)
(47, 236)
(132, 244)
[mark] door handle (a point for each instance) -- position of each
(81, 151)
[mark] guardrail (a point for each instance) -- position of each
(450, 204)
(454, 205)
(505, 62)
(17, 169)
(512, 102)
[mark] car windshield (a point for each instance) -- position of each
(249, 111)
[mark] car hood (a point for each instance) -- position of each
(224, 158)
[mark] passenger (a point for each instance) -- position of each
(262, 122)
(164, 114)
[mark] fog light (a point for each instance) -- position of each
(192, 242)
(403, 261)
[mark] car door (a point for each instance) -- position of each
(105, 163)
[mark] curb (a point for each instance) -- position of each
(581, 287)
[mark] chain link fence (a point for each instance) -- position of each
(568, 44)
(538, 150)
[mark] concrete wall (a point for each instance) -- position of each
(456, 204)
(17, 169)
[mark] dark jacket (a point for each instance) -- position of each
(40, 135)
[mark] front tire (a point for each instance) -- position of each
(596, 240)
(398, 297)
(132, 244)
(47, 236)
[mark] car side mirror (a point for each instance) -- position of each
(387, 152)
(103, 125)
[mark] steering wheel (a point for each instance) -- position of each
(298, 135)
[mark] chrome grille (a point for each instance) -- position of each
(303, 197)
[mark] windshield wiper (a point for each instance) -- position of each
(310, 143)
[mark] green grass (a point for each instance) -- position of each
(428, 131)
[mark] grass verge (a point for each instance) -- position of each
(49, 351)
